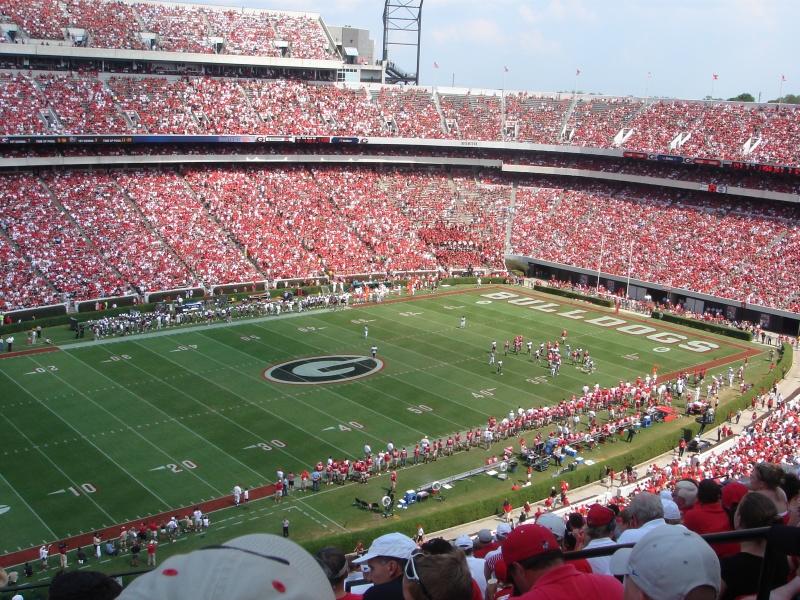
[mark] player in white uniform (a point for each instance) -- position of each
(499, 367)
(463, 323)
(491, 357)
(374, 351)
(366, 331)
(237, 494)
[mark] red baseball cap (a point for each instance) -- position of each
(527, 541)
(732, 493)
(599, 516)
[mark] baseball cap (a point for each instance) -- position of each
(671, 510)
(392, 545)
(527, 541)
(485, 536)
(599, 515)
(251, 567)
(668, 563)
(732, 493)
(463, 541)
(503, 530)
(554, 523)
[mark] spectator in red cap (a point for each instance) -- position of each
(537, 569)
(732, 494)
(707, 516)
(600, 523)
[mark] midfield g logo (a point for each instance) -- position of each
(323, 369)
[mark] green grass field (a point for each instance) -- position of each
(107, 432)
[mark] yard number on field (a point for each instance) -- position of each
(361, 321)
(188, 464)
(117, 358)
(249, 338)
(310, 329)
(267, 447)
(84, 488)
(419, 409)
(537, 380)
(486, 393)
(349, 426)
(46, 369)
(185, 348)
(409, 314)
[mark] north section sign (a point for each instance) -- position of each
(323, 369)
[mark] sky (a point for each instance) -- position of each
(749, 44)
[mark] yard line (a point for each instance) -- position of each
(137, 433)
(254, 405)
(30, 508)
(300, 500)
(88, 441)
(178, 421)
(52, 462)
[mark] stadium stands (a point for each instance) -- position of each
(302, 222)
(169, 28)
(158, 104)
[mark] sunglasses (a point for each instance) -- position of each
(412, 575)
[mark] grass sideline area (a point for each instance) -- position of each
(148, 424)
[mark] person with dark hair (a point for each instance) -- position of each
(766, 478)
(537, 569)
(334, 564)
(740, 572)
(708, 516)
(83, 585)
(437, 576)
(791, 487)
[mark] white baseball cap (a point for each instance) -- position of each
(463, 541)
(671, 510)
(251, 567)
(393, 545)
(668, 563)
(503, 530)
(554, 523)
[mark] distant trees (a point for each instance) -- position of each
(745, 97)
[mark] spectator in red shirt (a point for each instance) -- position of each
(537, 568)
(708, 516)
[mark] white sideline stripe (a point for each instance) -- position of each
(173, 419)
(176, 329)
(30, 508)
(90, 442)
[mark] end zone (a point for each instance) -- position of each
(30, 351)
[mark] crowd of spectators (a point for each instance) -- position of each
(205, 30)
(86, 104)
(288, 222)
(739, 251)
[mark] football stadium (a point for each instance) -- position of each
(280, 320)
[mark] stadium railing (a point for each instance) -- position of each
(781, 540)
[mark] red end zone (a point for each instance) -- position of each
(43, 350)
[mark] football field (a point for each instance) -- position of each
(100, 433)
